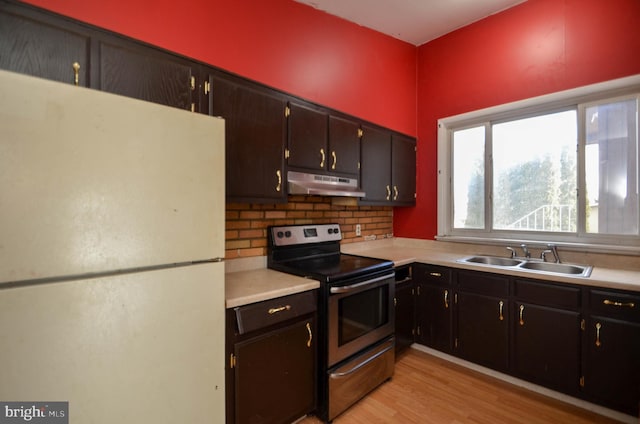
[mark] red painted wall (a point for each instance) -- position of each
(280, 43)
(535, 48)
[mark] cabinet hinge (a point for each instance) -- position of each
(413, 331)
(582, 381)
(287, 153)
(455, 343)
(419, 331)
(207, 87)
(358, 164)
(360, 133)
(418, 290)
(583, 325)
(193, 83)
(395, 301)
(413, 292)
(232, 361)
(287, 111)
(455, 298)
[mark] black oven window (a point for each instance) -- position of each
(361, 313)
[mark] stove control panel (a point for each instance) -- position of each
(302, 234)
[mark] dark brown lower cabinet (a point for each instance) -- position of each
(404, 302)
(483, 330)
(547, 346)
(275, 375)
(433, 314)
(612, 349)
(271, 374)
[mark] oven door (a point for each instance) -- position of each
(360, 313)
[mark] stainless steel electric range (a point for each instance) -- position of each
(356, 311)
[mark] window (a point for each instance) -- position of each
(561, 168)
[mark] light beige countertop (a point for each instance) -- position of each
(255, 285)
(248, 280)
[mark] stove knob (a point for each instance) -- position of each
(330, 230)
(336, 230)
(287, 234)
(279, 234)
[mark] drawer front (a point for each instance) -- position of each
(264, 314)
(614, 304)
(433, 274)
(547, 294)
(483, 283)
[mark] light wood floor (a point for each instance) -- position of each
(429, 390)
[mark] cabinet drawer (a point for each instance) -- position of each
(434, 274)
(614, 304)
(484, 283)
(547, 294)
(264, 314)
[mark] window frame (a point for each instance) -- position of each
(577, 99)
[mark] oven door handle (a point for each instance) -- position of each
(357, 286)
(361, 364)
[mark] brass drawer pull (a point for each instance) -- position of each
(614, 303)
(76, 73)
(435, 274)
(279, 176)
(446, 299)
(335, 159)
(388, 193)
(598, 327)
(323, 158)
(501, 315)
(521, 313)
(280, 309)
(310, 335)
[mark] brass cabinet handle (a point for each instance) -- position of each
(323, 158)
(501, 315)
(388, 193)
(598, 327)
(435, 274)
(521, 313)
(310, 335)
(279, 185)
(335, 159)
(76, 73)
(279, 309)
(446, 299)
(395, 192)
(614, 303)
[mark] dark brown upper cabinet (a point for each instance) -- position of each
(147, 74)
(322, 143)
(388, 168)
(33, 43)
(255, 126)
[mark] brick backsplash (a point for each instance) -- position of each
(246, 223)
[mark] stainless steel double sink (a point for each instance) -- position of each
(531, 265)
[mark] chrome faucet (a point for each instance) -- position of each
(525, 250)
(553, 249)
(512, 250)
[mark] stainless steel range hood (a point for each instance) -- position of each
(322, 185)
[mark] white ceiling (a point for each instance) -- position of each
(413, 21)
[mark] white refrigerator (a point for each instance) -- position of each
(111, 247)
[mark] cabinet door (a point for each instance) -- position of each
(612, 366)
(403, 170)
(483, 330)
(146, 74)
(275, 375)
(547, 346)
(308, 135)
(405, 316)
(375, 170)
(43, 49)
(433, 316)
(344, 146)
(255, 136)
